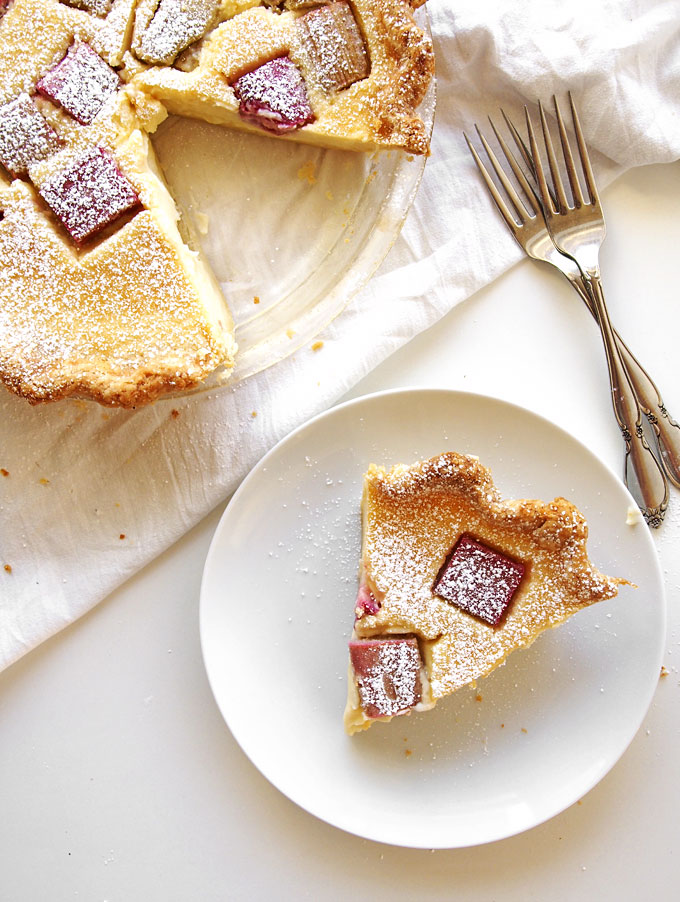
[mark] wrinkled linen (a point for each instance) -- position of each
(93, 494)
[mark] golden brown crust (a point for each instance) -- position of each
(413, 516)
(412, 58)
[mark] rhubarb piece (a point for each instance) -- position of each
(274, 96)
(333, 41)
(387, 673)
(90, 195)
(176, 24)
(81, 83)
(3, 7)
(478, 579)
(366, 603)
(96, 7)
(25, 135)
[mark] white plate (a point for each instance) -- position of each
(276, 612)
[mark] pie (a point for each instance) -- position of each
(101, 297)
(453, 579)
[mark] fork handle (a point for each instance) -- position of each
(643, 474)
(665, 428)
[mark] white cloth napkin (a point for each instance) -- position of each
(89, 495)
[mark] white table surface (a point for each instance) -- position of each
(119, 780)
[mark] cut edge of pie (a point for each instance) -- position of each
(412, 519)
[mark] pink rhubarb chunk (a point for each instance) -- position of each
(274, 96)
(90, 195)
(387, 673)
(478, 579)
(25, 135)
(366, 603)
(81, 83)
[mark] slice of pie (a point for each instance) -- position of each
(100, 295)
(361, 68)
(453, 579)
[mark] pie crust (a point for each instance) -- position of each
(123, 310)
(412, 518)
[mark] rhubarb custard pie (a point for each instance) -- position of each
(100, 295)
(453, 579)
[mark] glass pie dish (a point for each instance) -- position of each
(290, 231)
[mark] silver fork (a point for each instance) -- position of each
(533, 236)
(665, 429)
(578, 232)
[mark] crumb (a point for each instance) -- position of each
(174, 413)
(329, 195)
(253, 414)
(633, 515)
(579, 802)
(478, 698)
(408, 752)
(4, 471)
(122, 535)
(317, 346)
(106, 416)
(524, 730)
(256, 300)
(44, 481)
(502, 726)
(117, 504)
(664, 672)
(307, 172)
(7, 568)
(290, 333)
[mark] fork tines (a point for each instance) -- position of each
(522, 210)
(556, 200)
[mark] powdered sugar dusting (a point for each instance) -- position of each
(81, 83)
(97, 7)
(413, 517)
(274, 96)
(25, 135)
(332, 39)
(90, 194)
(387, 672)
(478, 579)
(175, 25)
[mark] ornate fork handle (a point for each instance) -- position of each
(666, 430)
(644, 477)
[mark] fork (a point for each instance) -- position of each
(649, 488)
(535, 240)
(578, 231)
(665, 429)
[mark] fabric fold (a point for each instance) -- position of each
(90, 495)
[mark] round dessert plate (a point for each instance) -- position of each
(277, 605)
